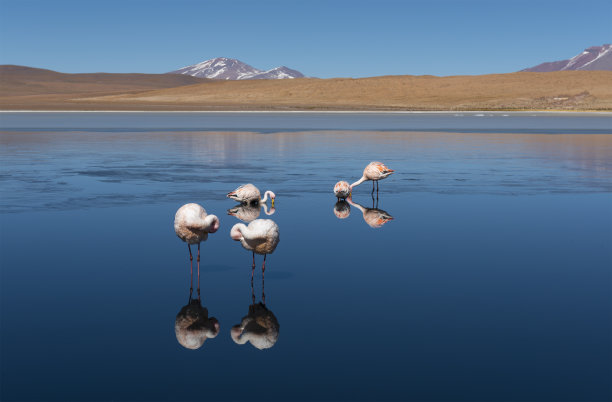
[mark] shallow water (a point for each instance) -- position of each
(490, 282)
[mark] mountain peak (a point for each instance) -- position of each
(223, 68)
(591, 58)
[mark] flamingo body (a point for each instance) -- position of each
(192, 224)
(248, 193)
(260, 236)
(375, 171)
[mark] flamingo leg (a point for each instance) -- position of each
(190, 270)
(253, 267)
(198, 271)
(263, 292)
(373, 185)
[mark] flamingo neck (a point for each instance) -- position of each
(237, 232)
(211, 223)
(358, 182)
(265, 198)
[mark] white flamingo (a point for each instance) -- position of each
(261, 237)
(248, 193)
(342, 190)
(192, 225)
(375, 171)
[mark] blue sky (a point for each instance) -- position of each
(319, 38)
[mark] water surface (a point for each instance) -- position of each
(490, 282)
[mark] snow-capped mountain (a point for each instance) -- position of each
(592, 58)
(223, 68)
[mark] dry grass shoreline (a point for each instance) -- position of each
(34, 89)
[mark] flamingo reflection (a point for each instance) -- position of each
(260, 326)
(192, 325)
(249, 212)
(342, 209)
(374, 217)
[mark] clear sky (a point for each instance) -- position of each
(319, 38)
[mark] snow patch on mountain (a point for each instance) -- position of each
(223, 68)
(592, 58)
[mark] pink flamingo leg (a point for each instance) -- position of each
(253, 266)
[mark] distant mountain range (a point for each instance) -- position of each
(222, 68)
(592, 58)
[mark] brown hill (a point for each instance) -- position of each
(28, 87)
(564, 90)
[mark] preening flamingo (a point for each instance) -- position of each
(261, 236)
(248, 213)
(375, 171)
(342, 190)
(248, 193)
(192, 225)
(374, 217)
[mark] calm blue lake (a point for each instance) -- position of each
(492, 280)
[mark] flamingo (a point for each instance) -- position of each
(261, 237)
(372, 216)
(248, 213)
(192, 225)
(375, 171)
(342, 190)
(248, 193)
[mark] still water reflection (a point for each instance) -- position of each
(374, 216)
(260, 326)
(249, 212)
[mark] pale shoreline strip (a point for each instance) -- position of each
(454, 112)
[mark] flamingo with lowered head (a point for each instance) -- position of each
(375, 171)
(342, 190)
(261, 237)
(248, 193)
(192, 225)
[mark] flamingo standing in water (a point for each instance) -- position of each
(192, 225)
(261, 237)
(248, 193)
(342, 190)
(375, 171)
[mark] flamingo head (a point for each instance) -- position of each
(235, 233)
(272, 197)
(214, 224)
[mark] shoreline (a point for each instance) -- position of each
(455, 112)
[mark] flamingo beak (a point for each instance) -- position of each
(272, 202)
